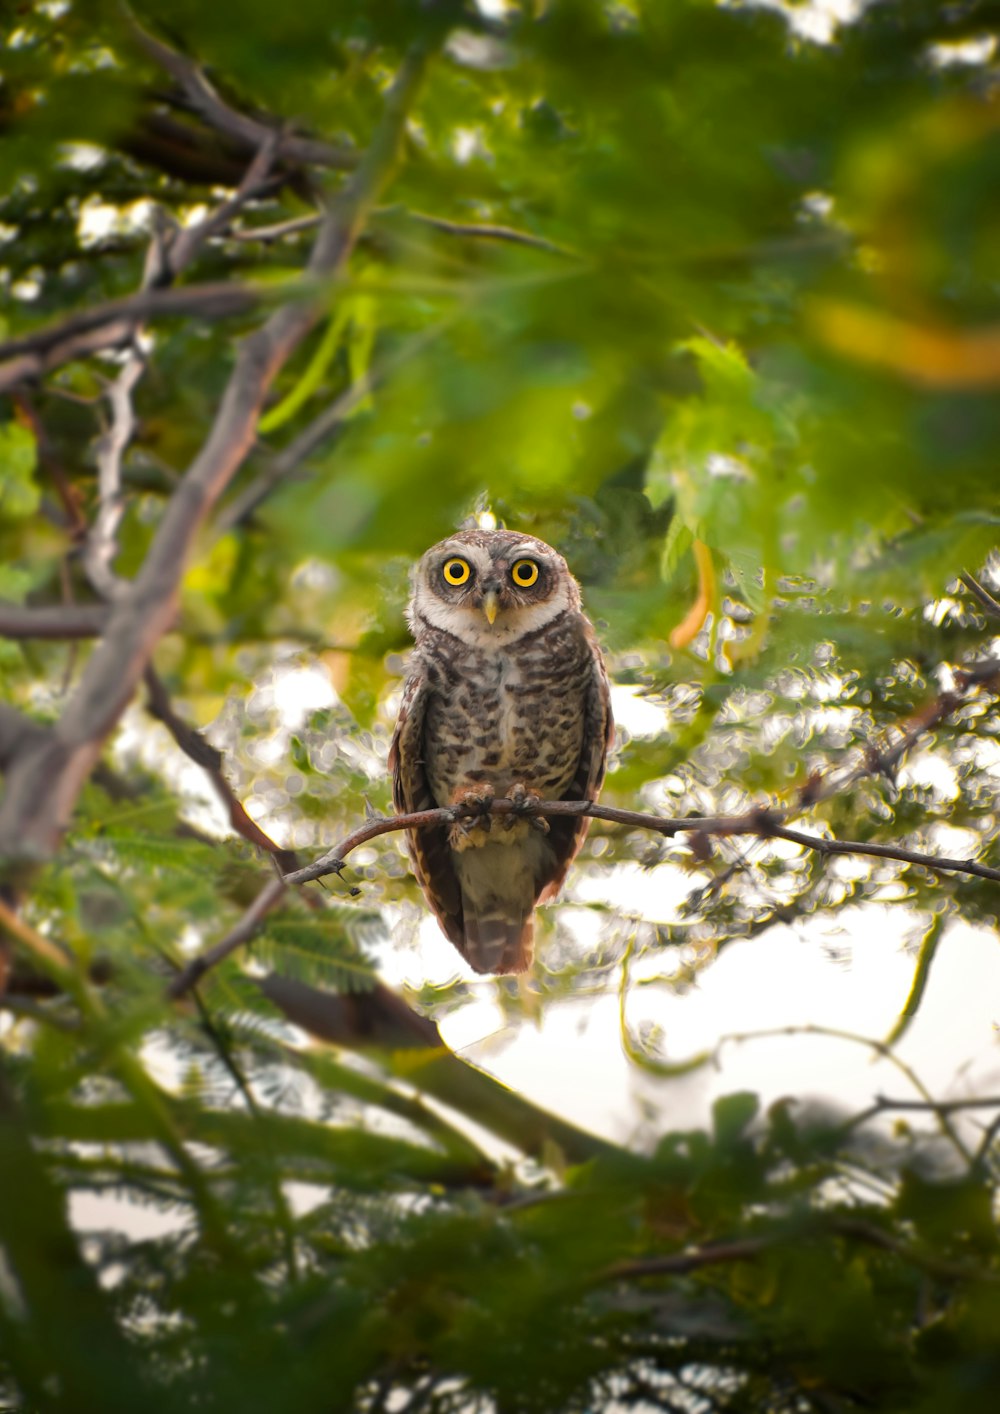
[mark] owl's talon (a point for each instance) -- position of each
(524, 801)
(471, 815)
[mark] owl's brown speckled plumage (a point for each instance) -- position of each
(506, 695)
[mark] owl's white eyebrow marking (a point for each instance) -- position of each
(527, 552)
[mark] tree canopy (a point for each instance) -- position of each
(703, 294)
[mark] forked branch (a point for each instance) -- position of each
(42, 786)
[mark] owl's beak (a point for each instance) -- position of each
(491, 606)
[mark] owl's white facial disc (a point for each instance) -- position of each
(494, 561)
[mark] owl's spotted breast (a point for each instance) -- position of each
(503, 718)
(507, 695)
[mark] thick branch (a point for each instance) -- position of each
(17, 734)
(52, 620)
(412, 1049)
(43, 785)
(247, 131)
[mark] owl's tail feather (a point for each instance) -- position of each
(496, 942)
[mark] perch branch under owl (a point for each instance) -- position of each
(761, 822)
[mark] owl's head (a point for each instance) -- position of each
(490, 587)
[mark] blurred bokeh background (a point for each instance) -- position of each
(704, 295)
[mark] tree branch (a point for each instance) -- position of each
(982, 594)
(268, 898)
(187, 242)
(101, 548)
(760, 822)
(756, 822)
(239, 127)
(114, 322)
(680, 1263)
(17, 734)
(472, 230)
(108, 325)
(412, 1050)
(170, 252)
(488, 231)
(43, 784)
(885, 1102)
(745, 1249)
(52, 620)
(203, 754)
(873, 760)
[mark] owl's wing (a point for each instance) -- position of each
(430, 854)
(567, 835)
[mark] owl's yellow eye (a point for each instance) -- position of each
(524, 573)
(457, 571)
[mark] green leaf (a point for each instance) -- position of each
(19, 493)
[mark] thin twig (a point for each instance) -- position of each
(680, 1263)
(761, 823)
(986, 1102)
(754, 823)
(872, 760)
(472, 230)
(881, 1048)
(982, 594)
(203, 754)
(189, 241)
(986, 1143)
(745, 1249)
(278, 230)
(190, 976)
(479, 230)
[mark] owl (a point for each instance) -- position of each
(506, 697)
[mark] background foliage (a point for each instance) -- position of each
(709, 303)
